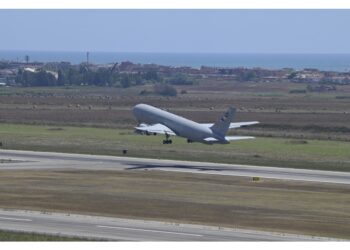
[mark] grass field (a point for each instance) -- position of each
(309, 115)
(21, 236)
(238, 202)
(281, 152)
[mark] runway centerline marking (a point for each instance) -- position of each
(149, 230)
(14, 219)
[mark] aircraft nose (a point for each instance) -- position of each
(137, 109)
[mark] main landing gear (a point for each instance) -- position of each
(167, 140)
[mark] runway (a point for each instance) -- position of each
(139, 230)
(104, 228)
(21, 160)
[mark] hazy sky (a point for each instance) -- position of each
(218, 31)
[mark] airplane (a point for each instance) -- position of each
(156, 121)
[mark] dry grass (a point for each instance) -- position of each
(312, 115)
(286, 206)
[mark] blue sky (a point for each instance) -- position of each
(209, 31)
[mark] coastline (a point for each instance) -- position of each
(326, 62)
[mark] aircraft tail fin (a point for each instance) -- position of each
(222, 125)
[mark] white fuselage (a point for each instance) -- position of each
(181, 126)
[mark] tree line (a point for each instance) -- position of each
(82, 75)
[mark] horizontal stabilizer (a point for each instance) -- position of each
(236, 138)
(242, 124)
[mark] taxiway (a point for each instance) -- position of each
(117, 229)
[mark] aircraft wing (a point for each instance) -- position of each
(211, 139)
(236, 138)
(234, 124)
(155, 128)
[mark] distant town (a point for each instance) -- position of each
(127, 74)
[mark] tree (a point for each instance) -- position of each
(61, 79)
(4, 65)
(292, 75)
(165, 89)
(74, 77)
(246, 75)
(180, 79)
(125, 81)
(151, 76)
(41, 78)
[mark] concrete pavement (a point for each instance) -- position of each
(117, 229)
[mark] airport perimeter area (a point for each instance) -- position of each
(300, 162)
(175, 125)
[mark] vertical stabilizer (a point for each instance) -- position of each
(222, 125)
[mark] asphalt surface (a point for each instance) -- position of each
(20, 160)
(104, 228)
(139, 230)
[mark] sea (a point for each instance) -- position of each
(329, 62)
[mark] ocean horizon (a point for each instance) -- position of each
(328, 62)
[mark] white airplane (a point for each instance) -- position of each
(156, 121)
